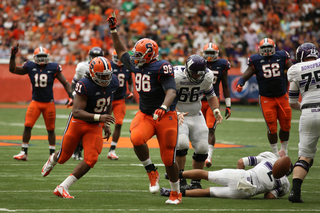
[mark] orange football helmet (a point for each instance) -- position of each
(267, 47)
(41, 56)
(210, 52)
(101, 71)
(144, 51)
(115, 58)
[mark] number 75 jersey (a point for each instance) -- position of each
(190, 94)
(306, 76)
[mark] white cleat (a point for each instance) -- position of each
(112, 155)
(21, 156)
(48, 166)
(154, 178)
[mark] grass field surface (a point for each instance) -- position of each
(122, 186)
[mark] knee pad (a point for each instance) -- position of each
(305, 165)
(199, 157)
(183, 142)
(182, 153)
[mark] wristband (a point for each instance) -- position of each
(113, 31)
(12, 57)
(178, 113)
(216, 112)
(164, 107)
(228, 102)
(96, 117)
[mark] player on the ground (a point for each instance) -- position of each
(219, 68)
(92, 108)
(305, 79)
(81, 69)
(193, 80)
(239, 183)
(119, 101)
(270, 67)
(154, 80)
(42, 75)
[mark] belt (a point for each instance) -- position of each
(311, 105)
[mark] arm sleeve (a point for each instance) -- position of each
(125, 59)
(251, 160)
(293, 93)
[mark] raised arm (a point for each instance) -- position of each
(12, 63)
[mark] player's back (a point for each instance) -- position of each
(270, 73)
(190, 94)
(42, 79)
(81, 69)
(306, 76)
(149, 86)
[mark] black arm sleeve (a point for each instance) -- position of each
(168, 82)
(125, 59)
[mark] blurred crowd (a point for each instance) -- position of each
(70, 28)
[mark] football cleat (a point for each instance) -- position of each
(48, 166)
(60, 191)
(295, 197)
(165, 192)
(175, 198)
(208, 162)
(183, 184)
(154, 181)
(195, 184)
(112, 155)
(21, 156)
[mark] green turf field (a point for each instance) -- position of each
(122, 186)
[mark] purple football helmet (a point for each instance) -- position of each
(196, 67)
(306, 50)
(94, 52)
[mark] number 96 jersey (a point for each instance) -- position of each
(190, 94)
(99, 98)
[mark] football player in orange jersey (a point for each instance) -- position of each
(270, 67)
(42, 75)
(92, 109)
(219, 68)
(155, 84)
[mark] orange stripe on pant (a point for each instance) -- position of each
(92, 141)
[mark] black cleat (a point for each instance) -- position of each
(295, 197)
(195, 184)
(183, 184)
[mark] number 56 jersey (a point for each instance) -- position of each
(306, 76)
(189, 94)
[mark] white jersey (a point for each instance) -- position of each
(190, 94)
(81, 70)
(261, 175)
(304, 77)
(242, 184)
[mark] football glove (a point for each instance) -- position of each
(112, 21)
(239, 88)
(69, 102)
(130, 96)
(14, 50)
(228, 112)
(159, 113)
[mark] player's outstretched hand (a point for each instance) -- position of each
(106, 118)
(239, 88)
(14, 50)
(159, 113)
(228, 112)
(217, 115)
(112, 21)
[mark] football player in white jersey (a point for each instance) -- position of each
(81, 69)
(240, 183)
(305, 79)
(192, 81)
